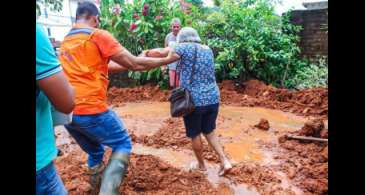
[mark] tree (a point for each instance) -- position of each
(54, 5)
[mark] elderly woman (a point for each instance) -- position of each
(170, 41)
(203, 89)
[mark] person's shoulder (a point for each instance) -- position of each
(103, 36)
(101, 32)
(205, 47)
(168, 35)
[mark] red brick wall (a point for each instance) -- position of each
(314, 39)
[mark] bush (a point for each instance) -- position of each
(311, 75)
(142, 25)
(250, 41)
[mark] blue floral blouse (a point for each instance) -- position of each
(203, 88)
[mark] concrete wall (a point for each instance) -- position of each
(314, 39)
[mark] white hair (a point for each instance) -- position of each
(188, 34)
(175, 21)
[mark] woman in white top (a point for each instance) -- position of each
(170, 41)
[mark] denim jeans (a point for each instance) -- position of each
(48, 182)
(92, 132)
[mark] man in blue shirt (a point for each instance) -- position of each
(52, 87)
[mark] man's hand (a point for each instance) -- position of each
(129, 61)
(143, 53)
(164, 69)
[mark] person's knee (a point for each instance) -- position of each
(124, 145)
(196, 143)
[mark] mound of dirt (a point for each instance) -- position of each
(149, 175)
(306, 164)
(261, 177)
(255, 88)
(263, 125)
(146, 175)
(312, 128)
(309, 102)
(117, 96)
(172, 135)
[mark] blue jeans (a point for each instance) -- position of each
(48, 182)
(92, 132)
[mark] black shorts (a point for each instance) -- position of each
(202, 120)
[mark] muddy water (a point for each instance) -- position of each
(144, 118)
(235, 125)
(240, 139)
(235, 128)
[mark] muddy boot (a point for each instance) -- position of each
(114, 173)
(95, 178)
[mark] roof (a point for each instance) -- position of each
(316, 5)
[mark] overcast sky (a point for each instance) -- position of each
(280, 8)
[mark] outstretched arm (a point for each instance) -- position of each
(129, 61)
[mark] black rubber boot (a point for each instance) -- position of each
(114, 174)
(96, 177)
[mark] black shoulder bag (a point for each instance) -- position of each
(181, 99)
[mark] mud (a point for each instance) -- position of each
(118, 96)
(162, 151)
(146, 175)
(312, 128)
(172, 135)
(261, 177)
(306, 164)
(309, 102)
(263, 125)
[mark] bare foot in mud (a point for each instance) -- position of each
(195, 166)
(225, 168)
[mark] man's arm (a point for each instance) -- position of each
(49, 75)
(59, 91)
(114, 67)
(131, 62)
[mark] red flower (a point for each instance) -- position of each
(144, 12)
(136, 16)
(158, 17)
(141, 40)
(146, 6)
(132, 27)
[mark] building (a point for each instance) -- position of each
(316, 5)
(58, 24)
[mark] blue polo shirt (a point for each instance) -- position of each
(46, 65)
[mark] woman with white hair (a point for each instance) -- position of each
(197, 74)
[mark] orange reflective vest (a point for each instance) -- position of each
(86, 70)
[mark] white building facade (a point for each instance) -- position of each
(58, 24)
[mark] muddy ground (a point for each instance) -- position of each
(252, 123)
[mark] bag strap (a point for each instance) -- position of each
(192, 69)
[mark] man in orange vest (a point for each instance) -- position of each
(87, 54)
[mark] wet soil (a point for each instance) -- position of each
(263, 164)
(263, 125)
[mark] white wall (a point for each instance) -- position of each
(59, 22)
